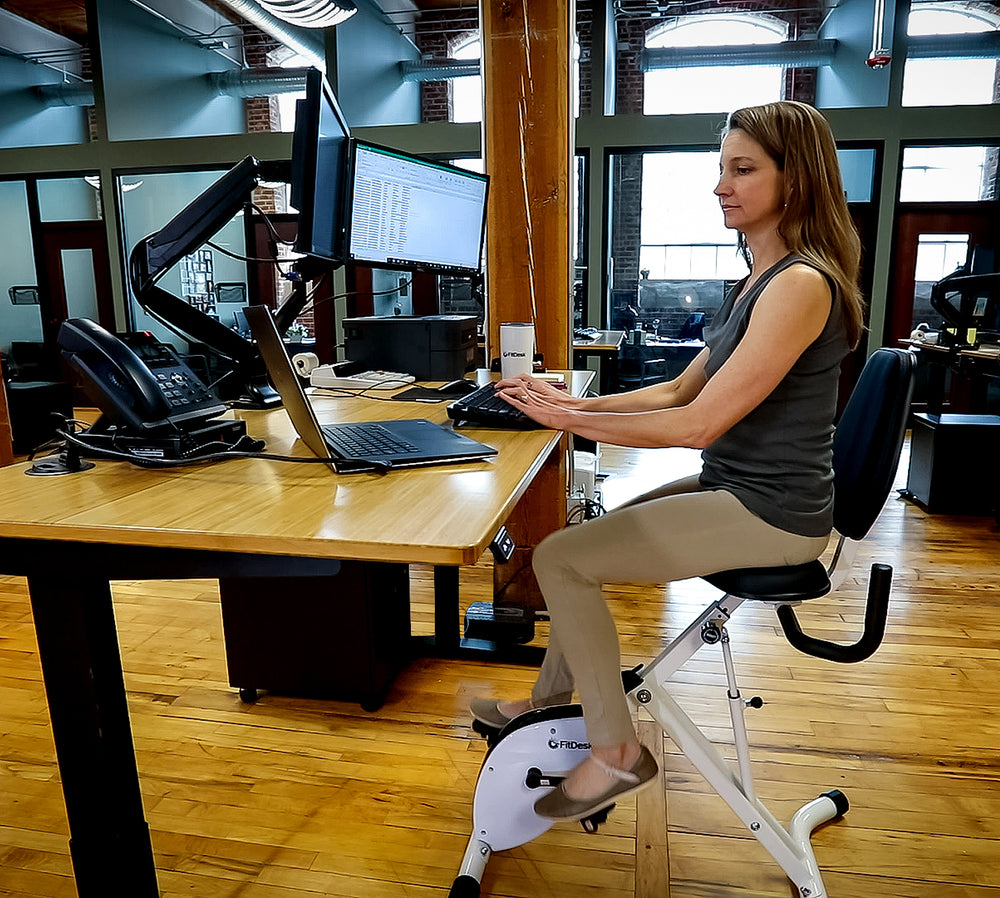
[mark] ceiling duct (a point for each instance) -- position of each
(977, 45)
(788, 54)
(234, 83)
(438, 69)
(80, 93)
(258, 82)
(303, 42)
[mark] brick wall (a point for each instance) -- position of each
(262, 116)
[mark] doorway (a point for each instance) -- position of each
(931, 241)
(75, 277)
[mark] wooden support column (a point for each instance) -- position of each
(528, 149)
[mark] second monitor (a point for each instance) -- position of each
(412, 213)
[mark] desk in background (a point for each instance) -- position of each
(604, 347)
(662, 359)
(952, 466)
(955, 380)
(234, 521)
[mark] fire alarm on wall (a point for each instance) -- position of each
(879, 58)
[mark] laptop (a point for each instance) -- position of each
(368, 446)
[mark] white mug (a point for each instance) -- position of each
(517, 348)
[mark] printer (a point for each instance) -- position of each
(430, 347)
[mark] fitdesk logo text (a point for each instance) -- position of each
(514, 354)
(570, 744)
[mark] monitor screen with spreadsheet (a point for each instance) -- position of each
(413, 213)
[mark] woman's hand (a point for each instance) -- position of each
(542, 389)
(538, 399)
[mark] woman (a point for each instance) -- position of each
(759, 400)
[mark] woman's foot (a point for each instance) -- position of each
(606, 776)
(496, 714)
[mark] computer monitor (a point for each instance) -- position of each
(412, 213)
(318, 176)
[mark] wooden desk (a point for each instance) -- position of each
(605, 348)
(237, 520)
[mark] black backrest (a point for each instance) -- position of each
(869, 438)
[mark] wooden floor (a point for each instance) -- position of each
(300, 798)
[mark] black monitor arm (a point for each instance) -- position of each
(247, 384)
(966, 285)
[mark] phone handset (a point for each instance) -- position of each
(123, 386)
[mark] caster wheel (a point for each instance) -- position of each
(464, 887)
(249, 696)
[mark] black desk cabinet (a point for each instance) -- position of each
(342, 637)
(953, 463)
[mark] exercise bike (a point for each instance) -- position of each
(535, 751)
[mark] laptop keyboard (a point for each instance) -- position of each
(365, 440)
(487, 409)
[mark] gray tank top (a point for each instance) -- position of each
(778, 459)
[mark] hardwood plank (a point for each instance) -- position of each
(290, 798)
(652, 851)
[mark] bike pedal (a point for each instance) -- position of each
(490, 734)
(591, 823)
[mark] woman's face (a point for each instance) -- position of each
(750, 188)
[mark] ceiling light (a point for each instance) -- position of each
(311, 13)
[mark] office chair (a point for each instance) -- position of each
(537, 749)
(636, 370)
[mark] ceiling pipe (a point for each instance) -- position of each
(247, 83)
(242, 83)
(978, 45)
(790, 54)
(80, 93)
(881, 55)
(438, 69)
(307, 44)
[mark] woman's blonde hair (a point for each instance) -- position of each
(815, 223)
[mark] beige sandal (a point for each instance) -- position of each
(487, 712)
(557, 805)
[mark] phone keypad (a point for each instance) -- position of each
(182, 388)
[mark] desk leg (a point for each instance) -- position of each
(446, 624)
(447, 641)
(81, 666)
(937, 377)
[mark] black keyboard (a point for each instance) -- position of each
(365, 440)
(486, 409)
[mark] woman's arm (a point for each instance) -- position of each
(679, 391)
(790, 313)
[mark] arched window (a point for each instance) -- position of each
(467, 91)
(711, 88)
(949, 82)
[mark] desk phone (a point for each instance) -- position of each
(143, 398)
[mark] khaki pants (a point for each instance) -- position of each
(672, 533)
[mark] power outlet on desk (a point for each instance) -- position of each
(502, 546)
